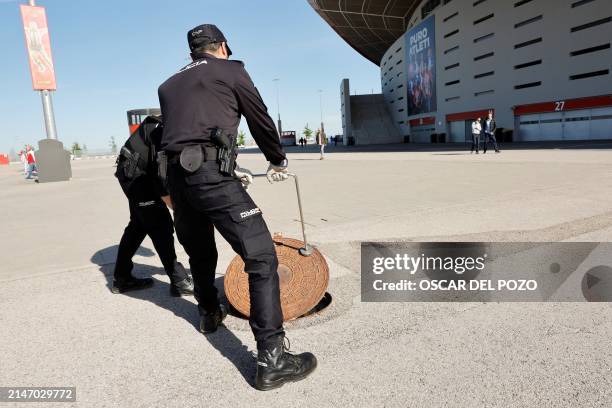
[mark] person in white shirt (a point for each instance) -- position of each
(24, 161)
(321, 141)
(476, 131)
(31, 162)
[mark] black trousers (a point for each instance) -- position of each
(490, 138)
(150, 218)
(475, 142)
(206, 200)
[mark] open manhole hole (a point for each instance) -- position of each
(303, 281)
(322, 305)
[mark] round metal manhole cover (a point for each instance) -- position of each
(303, 280)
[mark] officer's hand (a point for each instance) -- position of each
(245, 176)
(168, 201)
(277, 173)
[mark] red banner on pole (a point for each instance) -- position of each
(38, 44)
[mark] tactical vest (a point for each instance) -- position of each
(137, 156)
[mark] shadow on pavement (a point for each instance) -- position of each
(108, 255)
(226, 343)
(450, 154)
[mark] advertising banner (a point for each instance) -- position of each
(421, 46)
(38, 44)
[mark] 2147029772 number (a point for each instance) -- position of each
(55, 394)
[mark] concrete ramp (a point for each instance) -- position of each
(371, 121)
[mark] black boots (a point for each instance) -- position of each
(131, 283)
(275, 366)
(181, 283)
(182, 288)
(210, 321)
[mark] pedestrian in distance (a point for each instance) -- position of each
(202, 106)
(321, 141)
(24, 161)
(137, 174)
(31, 167)
(489, 133)
(476, 131)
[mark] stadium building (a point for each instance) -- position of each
(542, 66)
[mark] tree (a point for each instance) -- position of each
(13, 155)
(241, 137)
(76, 149)
(113, 145)
(84, 149)
(307, 132)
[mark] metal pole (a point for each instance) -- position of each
(321, 104)
(48, 114)
(307, 250)
(276, 80)
(47, 103)
(279, 125)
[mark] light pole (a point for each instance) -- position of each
(47, 103)
(321, 107)
(52, 161)
(280, 125)
(322, 131)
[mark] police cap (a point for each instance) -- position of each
(205, 34)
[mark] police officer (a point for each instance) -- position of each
(138, 176)
(204, 98)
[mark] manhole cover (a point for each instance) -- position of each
(303, 280)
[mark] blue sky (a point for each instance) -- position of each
(111, 55)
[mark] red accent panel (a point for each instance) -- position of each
(564, 105)
(455, 117)
(430, 120)
(134, 128)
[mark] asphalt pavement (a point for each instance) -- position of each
(61, 325)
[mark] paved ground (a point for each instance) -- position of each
(61, 326)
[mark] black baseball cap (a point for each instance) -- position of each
(205, 34)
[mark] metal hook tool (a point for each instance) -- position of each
(307, 249)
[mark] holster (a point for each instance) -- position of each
(131, 163)
(226, 156)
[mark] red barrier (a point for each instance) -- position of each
(4, 159)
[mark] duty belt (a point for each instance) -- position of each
(209, 154)
(192, 157)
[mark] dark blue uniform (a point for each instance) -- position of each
(148, 213)
(207, 94)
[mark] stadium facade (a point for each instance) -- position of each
(543, 66)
